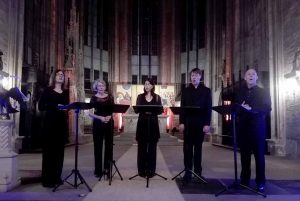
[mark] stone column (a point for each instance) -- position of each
(229, 42)
(277, 143)
(166, 43)
(123, 41)
(116, 45)
(8, 158)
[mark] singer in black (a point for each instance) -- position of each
(252, 128)
(102, 128)
(55, 133)
(147, 133)
(194, 125)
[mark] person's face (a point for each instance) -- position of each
(251, 77)
(101, 87)
(195, 78)
(59, 77)
(148, 86)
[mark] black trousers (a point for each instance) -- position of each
(102, 135)
(146, 158)
(192, 149)
(257, 147)
(52, 160)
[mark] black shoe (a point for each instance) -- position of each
(48, 185)
(97, 175)
(198, 174)
(187, 177)
(142, 174)
(245, 183)
(260, 188)
(151, 174)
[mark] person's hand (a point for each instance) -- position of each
(102, 119)
(107, 118)
(206, 129)
(246, 106)
(181, 128)
(60, 107)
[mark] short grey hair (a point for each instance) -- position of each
(94, 87)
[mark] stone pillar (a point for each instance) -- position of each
(166, 43)
(53, 33)
(229, 42)
(116, 45)
(123, 36)
(8, 158)
(277, 143)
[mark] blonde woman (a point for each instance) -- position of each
(102, 128)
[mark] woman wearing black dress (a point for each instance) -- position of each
(55, 129)
(102, 128)
(147, 133)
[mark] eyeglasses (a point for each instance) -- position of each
(60, 74)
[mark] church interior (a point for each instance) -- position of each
(125, 42)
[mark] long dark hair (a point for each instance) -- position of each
(151, 81)
(52, 79)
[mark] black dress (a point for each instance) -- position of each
(252, 131)
(147, 135)
(55, 135)
(102, 132)
(193, 122)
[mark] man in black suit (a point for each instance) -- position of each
(252, 128)
(194, 124)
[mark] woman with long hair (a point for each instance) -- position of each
(55, 128)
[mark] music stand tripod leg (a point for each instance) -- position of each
(165, 178)
(75, 171)
(198, 176)
(235, 185)
(84, 182)
(117, 169)
(184, 170)
(64, 180)
(133, 176)
(147, 185)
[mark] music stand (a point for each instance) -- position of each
(232, 109)
(114, 108)
(190, 110)
(154, 109)
(77, 106)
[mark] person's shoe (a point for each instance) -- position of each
(187, 177)
(198, 173)
(151, 174)
(97, 175)
(245, 183)
(106, 173)
(260, 188)
(142, 174)
(48, 185)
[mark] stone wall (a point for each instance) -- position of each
(266, 35)
(291, 46)
(3, 32)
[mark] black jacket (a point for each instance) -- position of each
(196, 97)
(252, 123)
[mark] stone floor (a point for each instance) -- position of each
(283, 176)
